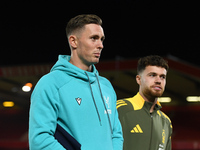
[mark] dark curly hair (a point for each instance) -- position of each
(152, 60)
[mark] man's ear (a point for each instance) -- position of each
(138, 79)
(73, 41)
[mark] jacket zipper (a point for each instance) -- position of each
(151, 131)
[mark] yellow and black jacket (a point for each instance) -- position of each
(143, 130)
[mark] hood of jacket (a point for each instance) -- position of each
(64, 65)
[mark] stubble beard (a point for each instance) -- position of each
(151, 95)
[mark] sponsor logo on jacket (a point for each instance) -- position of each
(137, 129)
(107, 100)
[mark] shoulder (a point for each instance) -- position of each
(57, 76)
(46, 80)
(124, 106)
(133, 103)
(51, 81)
(104, 81)
(163, 115)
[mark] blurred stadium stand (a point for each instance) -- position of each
(183, 80)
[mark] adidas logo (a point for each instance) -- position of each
(137, 129)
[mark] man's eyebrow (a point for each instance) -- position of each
(97, 36)
(152, 73)
(157, 73)
(163, 75)
(103, 38)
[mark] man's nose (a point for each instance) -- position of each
(100, 45)
(158, 80)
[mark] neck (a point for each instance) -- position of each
(81, 65)
(153, 106)
(149, 99)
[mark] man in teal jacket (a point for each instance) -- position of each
(145, 126)
(73, 106)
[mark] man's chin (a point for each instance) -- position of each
(156, 93)
(96, 61)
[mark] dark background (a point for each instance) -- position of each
(34, 31)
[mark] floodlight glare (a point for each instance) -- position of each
(164, 99)
(193, 98)
(27, 87)
(8, 104)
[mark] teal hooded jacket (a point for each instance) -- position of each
(82, 103)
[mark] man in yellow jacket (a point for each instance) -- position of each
(144, 126)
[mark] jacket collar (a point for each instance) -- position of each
(139, 102)
(64, 65)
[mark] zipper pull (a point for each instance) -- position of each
(151, 115)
